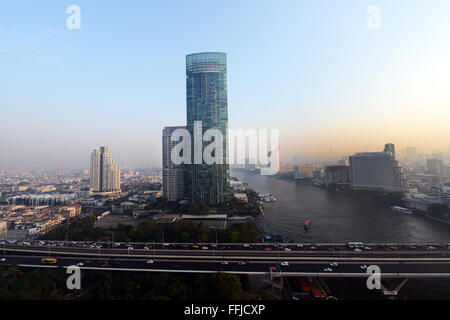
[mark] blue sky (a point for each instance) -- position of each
(311, 68)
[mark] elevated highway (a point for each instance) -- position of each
(319, 260)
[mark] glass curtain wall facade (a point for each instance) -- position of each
(206, 86)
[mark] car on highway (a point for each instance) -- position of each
(430, 248)
(299, 245)
(146, 248)
(80, 264)
(273, 269)
(224, 262)
(149, 261)
(166, 244)
(241, 263)
(195, 246)
(285, 264)
(287, 249)
(357, 250)
(205, 248)
(363, 267)
(2, 260)
(246, 245)
(328, 270)
(333, 264)
(267, 249)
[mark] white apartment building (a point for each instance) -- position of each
(104, 173)
(377, 170)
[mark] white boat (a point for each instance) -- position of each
(401, 210)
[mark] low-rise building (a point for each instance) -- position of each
(420, 201)
(337, 175)
(241, 197)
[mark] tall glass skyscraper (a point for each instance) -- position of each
(206, 86)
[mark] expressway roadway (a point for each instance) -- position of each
(240, 259)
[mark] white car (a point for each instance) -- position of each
(224, 262)
(150, 261)
(287, 249)
(285, 264)
(146, 248)
(241, 263)
(130, 248)
(205, 248)
(299, 245)
(358, 250)
(246, 245)
(328, 270)
(80, 264)
(333, 264)
(363, 267)
(2, 260)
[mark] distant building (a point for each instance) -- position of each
(447, 172)
(304, 171)
(337, 175)
(286, 168)
(435, 166)
(442, 193)
(104, 173)
(389, 147)
(411, 154)
(378, 170)
(173, 174)
(422, 187)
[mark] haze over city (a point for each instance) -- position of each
(330, 84)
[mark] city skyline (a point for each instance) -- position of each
(330, 84)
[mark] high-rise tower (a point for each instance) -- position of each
(104, 174)
(173, 174)
(206, 92)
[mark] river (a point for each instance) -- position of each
(336, 217)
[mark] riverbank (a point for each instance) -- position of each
(336, 216)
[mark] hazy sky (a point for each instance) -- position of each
(313, 69)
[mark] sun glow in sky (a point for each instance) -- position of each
(313, 69)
